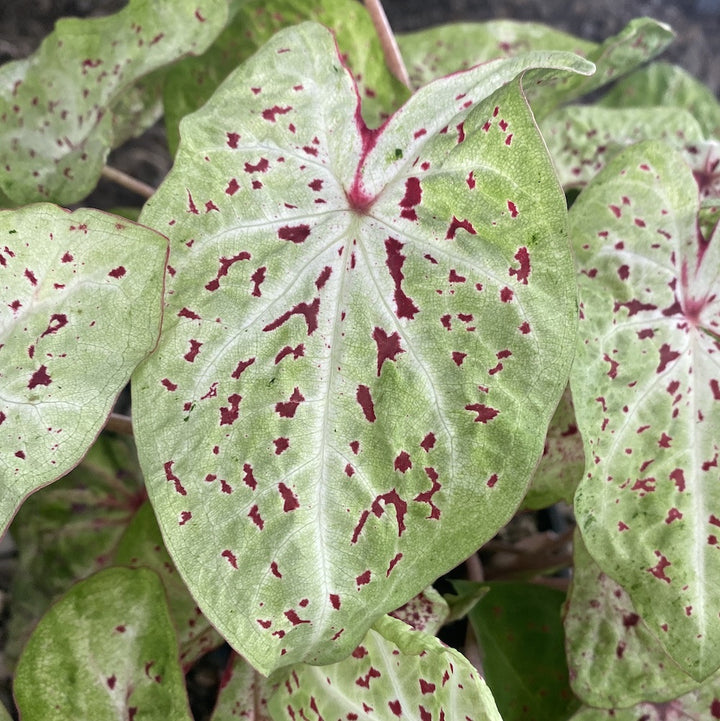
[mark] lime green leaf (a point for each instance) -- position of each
(57, 107)
(142, 546)
(582, 139)
(193, 81)
(394, 673)
(244, 693)
(80, 307)
(646, 388)
(614, 660)
(665, 84)
(466, 596)
(4, 714)
(520, 633)
(106, 650)
(563, 460)
(356, 321)
(426, 612)
(68, 530)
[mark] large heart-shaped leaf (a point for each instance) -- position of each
(614, 660)
(65, 107)
(356, 323)
(395, 673)
(80, 307)
(67, 531)
(106, 650)
(646, 388)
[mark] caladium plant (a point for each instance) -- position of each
(362, 334)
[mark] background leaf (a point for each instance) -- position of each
(644, 383)
(355, 322)
(58, 107)
(106, 650)
(427, 611)
(521, 638)
(244, 693)
(395, 673)
(80, 307)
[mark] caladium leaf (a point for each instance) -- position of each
(244, 693)
(142, 546)
(669, 85)
(106, 650)
(57, 123)
(438, 51)
(355, 322)
(520, 633)
(67, 531)
(613, 658)
(394, 673)
(646, 388)
(80, 307)
(704, 161)
(426, 612)
(563, 460)
(191, 82)
(581, 139)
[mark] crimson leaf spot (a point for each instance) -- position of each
(39, 378)
(229, 414)
(484, 413)
(290, 500)
(395, 260)
(287, 410)
(523, 272)
(308, 311)
(412, 198)
(365, 400)
(294, 233)
(388, 346)
(456, 225)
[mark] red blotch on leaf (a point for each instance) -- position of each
(281, 445)
(290, 500)
(523, 272)
(484, 413)
(395, 260)
(365, 400)
(57, 321)
(172, 478)
(362, 580)
(659, 570)
(402, 462)
(308, 311)
(39, 378)
(229, 556)
(388, 347)
(294, 233)
(428, 443)
(412, 198)
(287, 410)
(229, 414)
(456, 225)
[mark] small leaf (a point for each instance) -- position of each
(427, 611)
(80, 307)
(562, 462)
(356, 321)
(106, 650)
(646, 388)
(521, 636)
(244, 693)
(670, 86)
(395, 673)
(191, 82)
(68, 530)
(63, 108)
(142, 546)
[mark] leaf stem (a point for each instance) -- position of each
(120, 424)
(387, 41)
(127, 181)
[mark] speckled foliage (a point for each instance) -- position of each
(647, 388)
(356, 322)
(80, 307)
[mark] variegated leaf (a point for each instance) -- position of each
(426, 612)
(645, 383)
(356, 323)
(243, 694)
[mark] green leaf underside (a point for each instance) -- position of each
(67, 531)
(243, 694)
(520, 632)
(106, 650)
(394, 673)
(80, 307)
(667, 85)
(563, 460)
(646, 389)
(356, 321)
(192, 82)
(57, 107)
(142, 546)
(439, 51)
(614, 660)
(581, 139)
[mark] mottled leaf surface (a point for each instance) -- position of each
(704, 161)
(191, 82)
(562, 462)
(426, 612)
(106, 650)
(520, 632)
(669, 85)
(581, 139)
(395, 673)
(80, 307)
(142, 546)
(57, 123)
(645, 384)
(68, 530)
(439, 51)
(243, 694)
(613, 658)
(356, 321)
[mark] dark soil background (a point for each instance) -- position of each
(23, 24)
